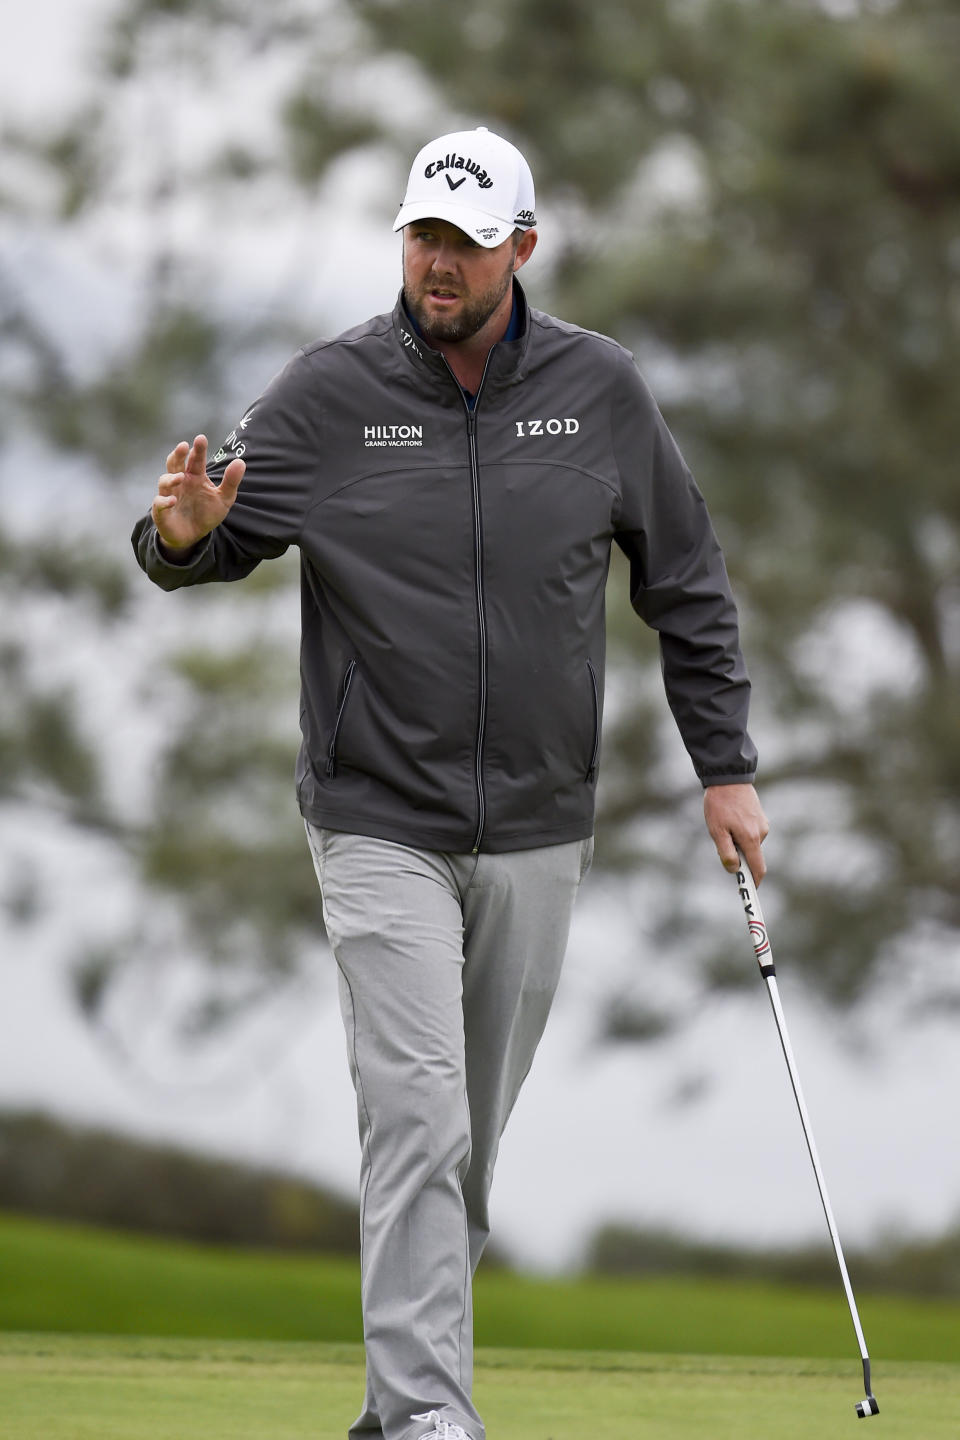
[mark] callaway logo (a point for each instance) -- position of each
(569, 426)
(392, 437)
(235, 442)
(455, 184)
(459, 162)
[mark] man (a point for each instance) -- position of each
(454, 474)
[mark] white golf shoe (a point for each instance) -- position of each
(442, 1429)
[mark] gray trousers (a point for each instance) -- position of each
(448, 965)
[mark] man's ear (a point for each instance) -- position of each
(525, 248)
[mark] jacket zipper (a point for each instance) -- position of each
(332, 748)
(595, 752)
(480, 598)
(481, 623)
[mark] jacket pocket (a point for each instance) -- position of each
(331, 766)
(591, 774)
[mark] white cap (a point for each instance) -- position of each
(476, 180)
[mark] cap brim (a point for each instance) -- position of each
(487, 230)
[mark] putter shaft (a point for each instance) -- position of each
(764, 955)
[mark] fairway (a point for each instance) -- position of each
(184, 1341)
(100, 1388)
(73, 1279)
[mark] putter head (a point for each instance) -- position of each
(867, 1407)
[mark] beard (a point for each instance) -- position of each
(473, 314)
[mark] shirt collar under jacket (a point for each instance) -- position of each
(503, 366)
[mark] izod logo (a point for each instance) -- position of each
(568, 426)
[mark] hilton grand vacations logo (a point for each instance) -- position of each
(392, 437)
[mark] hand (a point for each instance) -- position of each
(188, 505)
(735, 819)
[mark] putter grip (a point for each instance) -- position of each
(755, 921)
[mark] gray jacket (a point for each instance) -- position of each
(453, 566)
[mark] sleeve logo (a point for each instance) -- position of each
(235, 445)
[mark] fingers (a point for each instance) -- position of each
(170, 485)
(230, 483)
(177, 458)
(736, 821)
(753, 855)
(189, 458)
(197, 458)
(727, 850)
(168, 493)
(185, 459)
(186, 466)
(161, 503)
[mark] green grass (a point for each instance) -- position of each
(67, 1278)
(61, 1387)
(251, 1346)
(56, 1276)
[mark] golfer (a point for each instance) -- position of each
(454, 474)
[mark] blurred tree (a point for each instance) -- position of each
(894, 1263)
(99, 1177)
(763, 201)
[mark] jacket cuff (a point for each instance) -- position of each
(162, 560)
(742, 777)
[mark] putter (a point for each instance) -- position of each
(764, 954)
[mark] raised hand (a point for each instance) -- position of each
(188, 505)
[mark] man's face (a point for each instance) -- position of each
(451, 284)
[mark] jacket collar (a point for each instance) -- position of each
(506, 357)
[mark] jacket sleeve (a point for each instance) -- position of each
(679, 586)
(279, 438)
